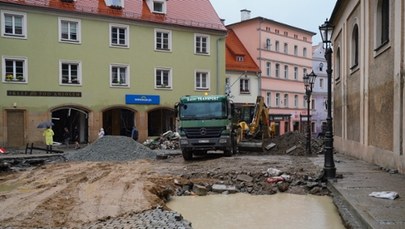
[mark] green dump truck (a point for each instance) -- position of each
(206, 123)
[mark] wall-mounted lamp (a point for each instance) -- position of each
(15, 105)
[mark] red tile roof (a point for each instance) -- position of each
(190, 13)
(234, 48)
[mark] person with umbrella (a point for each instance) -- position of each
(48, 134)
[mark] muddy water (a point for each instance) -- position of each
(266, 211)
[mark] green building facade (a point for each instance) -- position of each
(89, 70)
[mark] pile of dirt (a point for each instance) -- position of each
(112, 148)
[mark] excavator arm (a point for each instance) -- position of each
(260, 121)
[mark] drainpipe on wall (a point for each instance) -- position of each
(217, 89)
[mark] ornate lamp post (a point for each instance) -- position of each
(309, 80)
(329, 167)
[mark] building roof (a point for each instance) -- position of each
(274, 22)
(235, 48)
(189, 13)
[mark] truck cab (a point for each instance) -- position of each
(206, 123)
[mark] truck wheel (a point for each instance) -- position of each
(187, 155)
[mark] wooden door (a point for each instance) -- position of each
(15, 128)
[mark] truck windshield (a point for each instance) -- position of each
(203, 110)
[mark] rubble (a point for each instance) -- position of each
(168, 140)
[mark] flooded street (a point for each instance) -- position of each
(258, 211)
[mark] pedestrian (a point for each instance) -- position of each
(48, 134)
(134, 133)
(66, 136)
(101, 133)
(76, 137)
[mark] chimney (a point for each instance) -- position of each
(245, 14)
(223, 21)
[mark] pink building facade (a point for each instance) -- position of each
(284, 55)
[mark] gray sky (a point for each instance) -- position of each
(305, 14)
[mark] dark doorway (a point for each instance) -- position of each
(70, 117)
(15, 128)
(118, 121)
(160, 121)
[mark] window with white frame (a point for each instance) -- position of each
(296, 101)
(119, 75)
(285, 100)
(285, 71)
(268, 99)
(163, 78)
(202, 44)
(321, 83)
(202, 80)
(159, 6)
(268, 44)
(13, 24)
(14, 69)
(119, 35)
(277, 99)
(268, 68)
(295, 73)
(277, 70)
(163, 40)
(70, 72)
(69, 30)
(244, 86)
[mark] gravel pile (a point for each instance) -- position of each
(112, 148)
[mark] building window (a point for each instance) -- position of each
(119, 35)
(383, 22)
(70, 73)
(304, 72)
(304, 38)
(295, 36)
(295, 73)
(296, 101)
(159, 6)
(69, 30)
(268, 99)
(277, 70)
(285, 48)
(163, 40)
(304, 101)
(163, 78)
(313, 104)
(277, 46)
(285, 71)
(13, 24)
(202, 44)
(202, 81)
(286, 33)
(277, 99)
(285, 100)
(355, 47)
(268, 68)
(119, 75)
(277, 31)
(337, 65)
(321, 83)
(268, 44)
(14, 69)
(244, 86)
(240, 58)
(295, 50)
(304, 52)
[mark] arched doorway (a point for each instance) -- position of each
(118, 121)
(161, 120)
(70, 117)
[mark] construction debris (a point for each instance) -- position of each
(168, 140)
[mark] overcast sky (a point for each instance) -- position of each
(305, 14)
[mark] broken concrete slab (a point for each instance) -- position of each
(224, 188)
(291, 149)
(270, 146)
(244, 177)
(200, 190)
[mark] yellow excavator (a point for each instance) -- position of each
(254, 126)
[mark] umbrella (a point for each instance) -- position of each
(45, 124)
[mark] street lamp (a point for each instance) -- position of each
(329, 167)
(309, 80)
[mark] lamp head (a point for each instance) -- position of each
(326, 30)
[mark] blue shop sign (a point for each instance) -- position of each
(142, 99)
